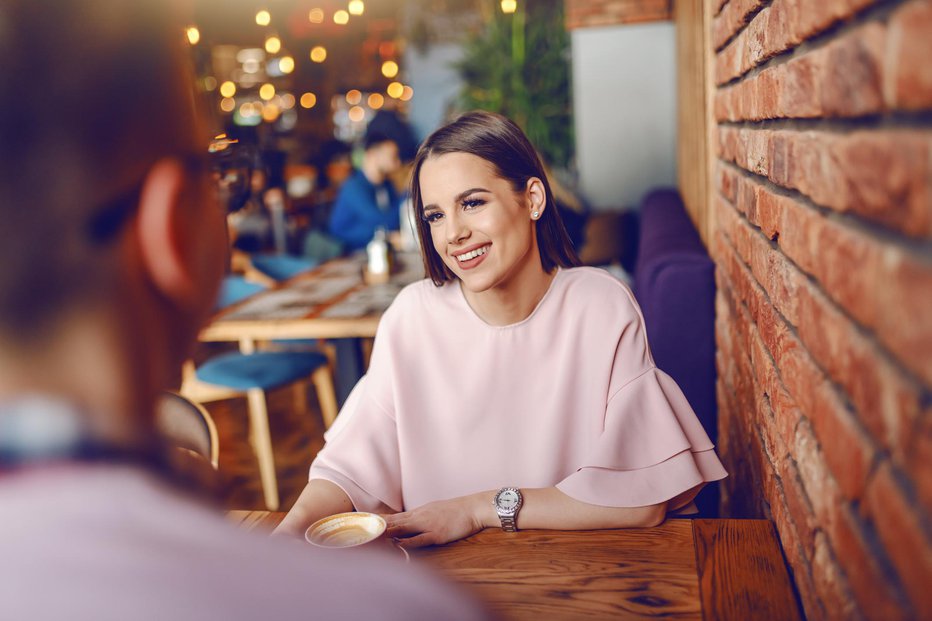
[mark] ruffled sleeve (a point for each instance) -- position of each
(651, 448)
(361, 454)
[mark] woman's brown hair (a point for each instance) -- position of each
(502, 144)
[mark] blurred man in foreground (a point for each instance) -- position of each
(112, 244)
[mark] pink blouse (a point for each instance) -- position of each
(568, 397)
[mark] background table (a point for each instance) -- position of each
(682, 569)
(330, 302)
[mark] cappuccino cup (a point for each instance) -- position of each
(345, 530)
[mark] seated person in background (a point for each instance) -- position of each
(510, 376)
(368, 200)
(96, 323)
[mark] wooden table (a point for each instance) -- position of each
(329, 302)
(683, 569)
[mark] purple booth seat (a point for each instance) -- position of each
(674, 283)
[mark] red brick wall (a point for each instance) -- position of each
(822, 209)
(583, 13)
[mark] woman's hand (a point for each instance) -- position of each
(438, 522)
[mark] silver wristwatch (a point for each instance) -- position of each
(507, 503)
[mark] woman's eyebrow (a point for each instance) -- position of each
(459, 197)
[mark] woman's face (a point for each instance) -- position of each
(482, 230)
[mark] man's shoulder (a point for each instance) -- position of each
(135, 541)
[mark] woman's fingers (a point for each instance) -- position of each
(400, 526)
(419, 541)
(402, 531)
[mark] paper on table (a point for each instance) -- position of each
(293, 302)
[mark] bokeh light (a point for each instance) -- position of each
(389, 68)
(341, 18)
(286, 64)
(357, 114)
(353, 97)
(194, 35)
(509, 6)
(308, 100)
(263, 18)
(228, 89)
(395, 90)
(316, 16)
(356, 7)
(319, 54)
(266, 91)
(270, 112)
(375, 101)
(273, 45)
(407, 93)
(227, 104)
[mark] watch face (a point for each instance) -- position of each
(507, 500)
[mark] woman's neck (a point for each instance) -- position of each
(514, 301)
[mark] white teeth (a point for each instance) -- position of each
(472, 254)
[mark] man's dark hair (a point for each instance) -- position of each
(374, 139)
(93, 96)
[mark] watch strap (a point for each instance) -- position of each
(508, 523)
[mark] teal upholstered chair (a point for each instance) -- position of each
(253, 374)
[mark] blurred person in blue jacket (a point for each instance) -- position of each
(368, 200)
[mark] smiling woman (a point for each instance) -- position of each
(511, 387)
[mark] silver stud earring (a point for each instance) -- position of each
(535, 215)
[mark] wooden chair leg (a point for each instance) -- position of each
(262, 443)
(299, 397)
(326, 395)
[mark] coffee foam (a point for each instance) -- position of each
(344, 530)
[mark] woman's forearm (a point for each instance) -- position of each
(549, 508)
(319, 499)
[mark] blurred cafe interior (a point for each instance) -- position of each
(757, 172)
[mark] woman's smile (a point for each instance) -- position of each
(472, 257)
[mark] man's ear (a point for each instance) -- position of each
(160, 234)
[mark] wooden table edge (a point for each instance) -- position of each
(746, 578)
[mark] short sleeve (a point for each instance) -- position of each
(651, 448)
(361, 453)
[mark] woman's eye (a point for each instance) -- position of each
(472, 203)
(433, 217)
